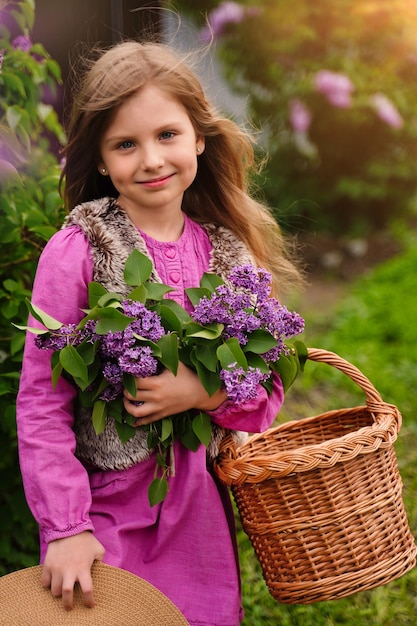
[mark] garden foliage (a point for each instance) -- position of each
(331, 85)
(30, 212)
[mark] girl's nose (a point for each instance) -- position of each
(151, 157)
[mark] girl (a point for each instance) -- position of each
(149, 165)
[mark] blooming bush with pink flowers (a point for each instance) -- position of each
(332, 86)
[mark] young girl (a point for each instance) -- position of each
(149, 165)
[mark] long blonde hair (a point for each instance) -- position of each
(220, 191)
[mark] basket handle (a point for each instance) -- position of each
(333, 359)
(237, 466)
(373, 397)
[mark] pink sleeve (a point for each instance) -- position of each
(254, 416)
(56, 483)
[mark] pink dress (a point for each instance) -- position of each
(184, 546)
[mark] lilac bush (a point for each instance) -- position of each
(332, 86)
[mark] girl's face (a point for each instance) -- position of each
(149, 150)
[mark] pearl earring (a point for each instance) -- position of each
(198, 149)
(103, 170)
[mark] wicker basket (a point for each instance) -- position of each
(321, 498)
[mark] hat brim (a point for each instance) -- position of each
(122, 599)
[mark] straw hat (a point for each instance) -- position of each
(122, 599)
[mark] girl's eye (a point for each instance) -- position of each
(167, 134)
(125, 145)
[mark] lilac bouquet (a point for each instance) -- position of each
(235, 338)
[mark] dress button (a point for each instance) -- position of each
(175, 277)
(170, 253)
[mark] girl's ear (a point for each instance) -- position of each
(103, 171)
(200, 145)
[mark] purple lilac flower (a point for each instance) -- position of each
(273, 355)
(58, 339)
(111, 392)
(227, 308)
(88, 332)
(22, 43)
(114, 344)
(147, 323)
(243, 323)
(226, 13)
(1, 59)
(216, 308)
(138, 362)
(242, 385)
(278, 320)
(112, 373)
(300, 116)
(255, 281)
(336, 87)
(248, 308)
(386, 110)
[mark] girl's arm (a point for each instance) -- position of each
(56, 483)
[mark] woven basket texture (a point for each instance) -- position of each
(122, 599)
(321, 498)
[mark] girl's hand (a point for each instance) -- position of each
(68, 561)
(166, 394)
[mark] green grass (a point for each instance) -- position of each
(375, 328)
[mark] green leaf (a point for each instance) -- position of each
(17, 343)
(139, 294)
(157, 491)
(196, 293)
(287, 368)
(95, 291)
(230, 352)
(13, 83)
(167, 429)
(211, 281)
(202, 427)
(206, 355)
(138, 268)
(115, 409)
(49, 322)
(156, 291)
(31, 329)
(124, 431)
(45, 232)
(208, 331)
(210, 380)
(73, 363)
(260, 341)
(10, 309)
(56, 373)
(129, 383)
(111, 300)
(99, 416)
(190, 440)
(254, 360)
(112, 320)
(179, 311)
(168, 345)
(170, 319)
(301, 352)
(11, 285)
(87, 351)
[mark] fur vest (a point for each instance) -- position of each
(112, 237)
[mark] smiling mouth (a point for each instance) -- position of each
(156, 182)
